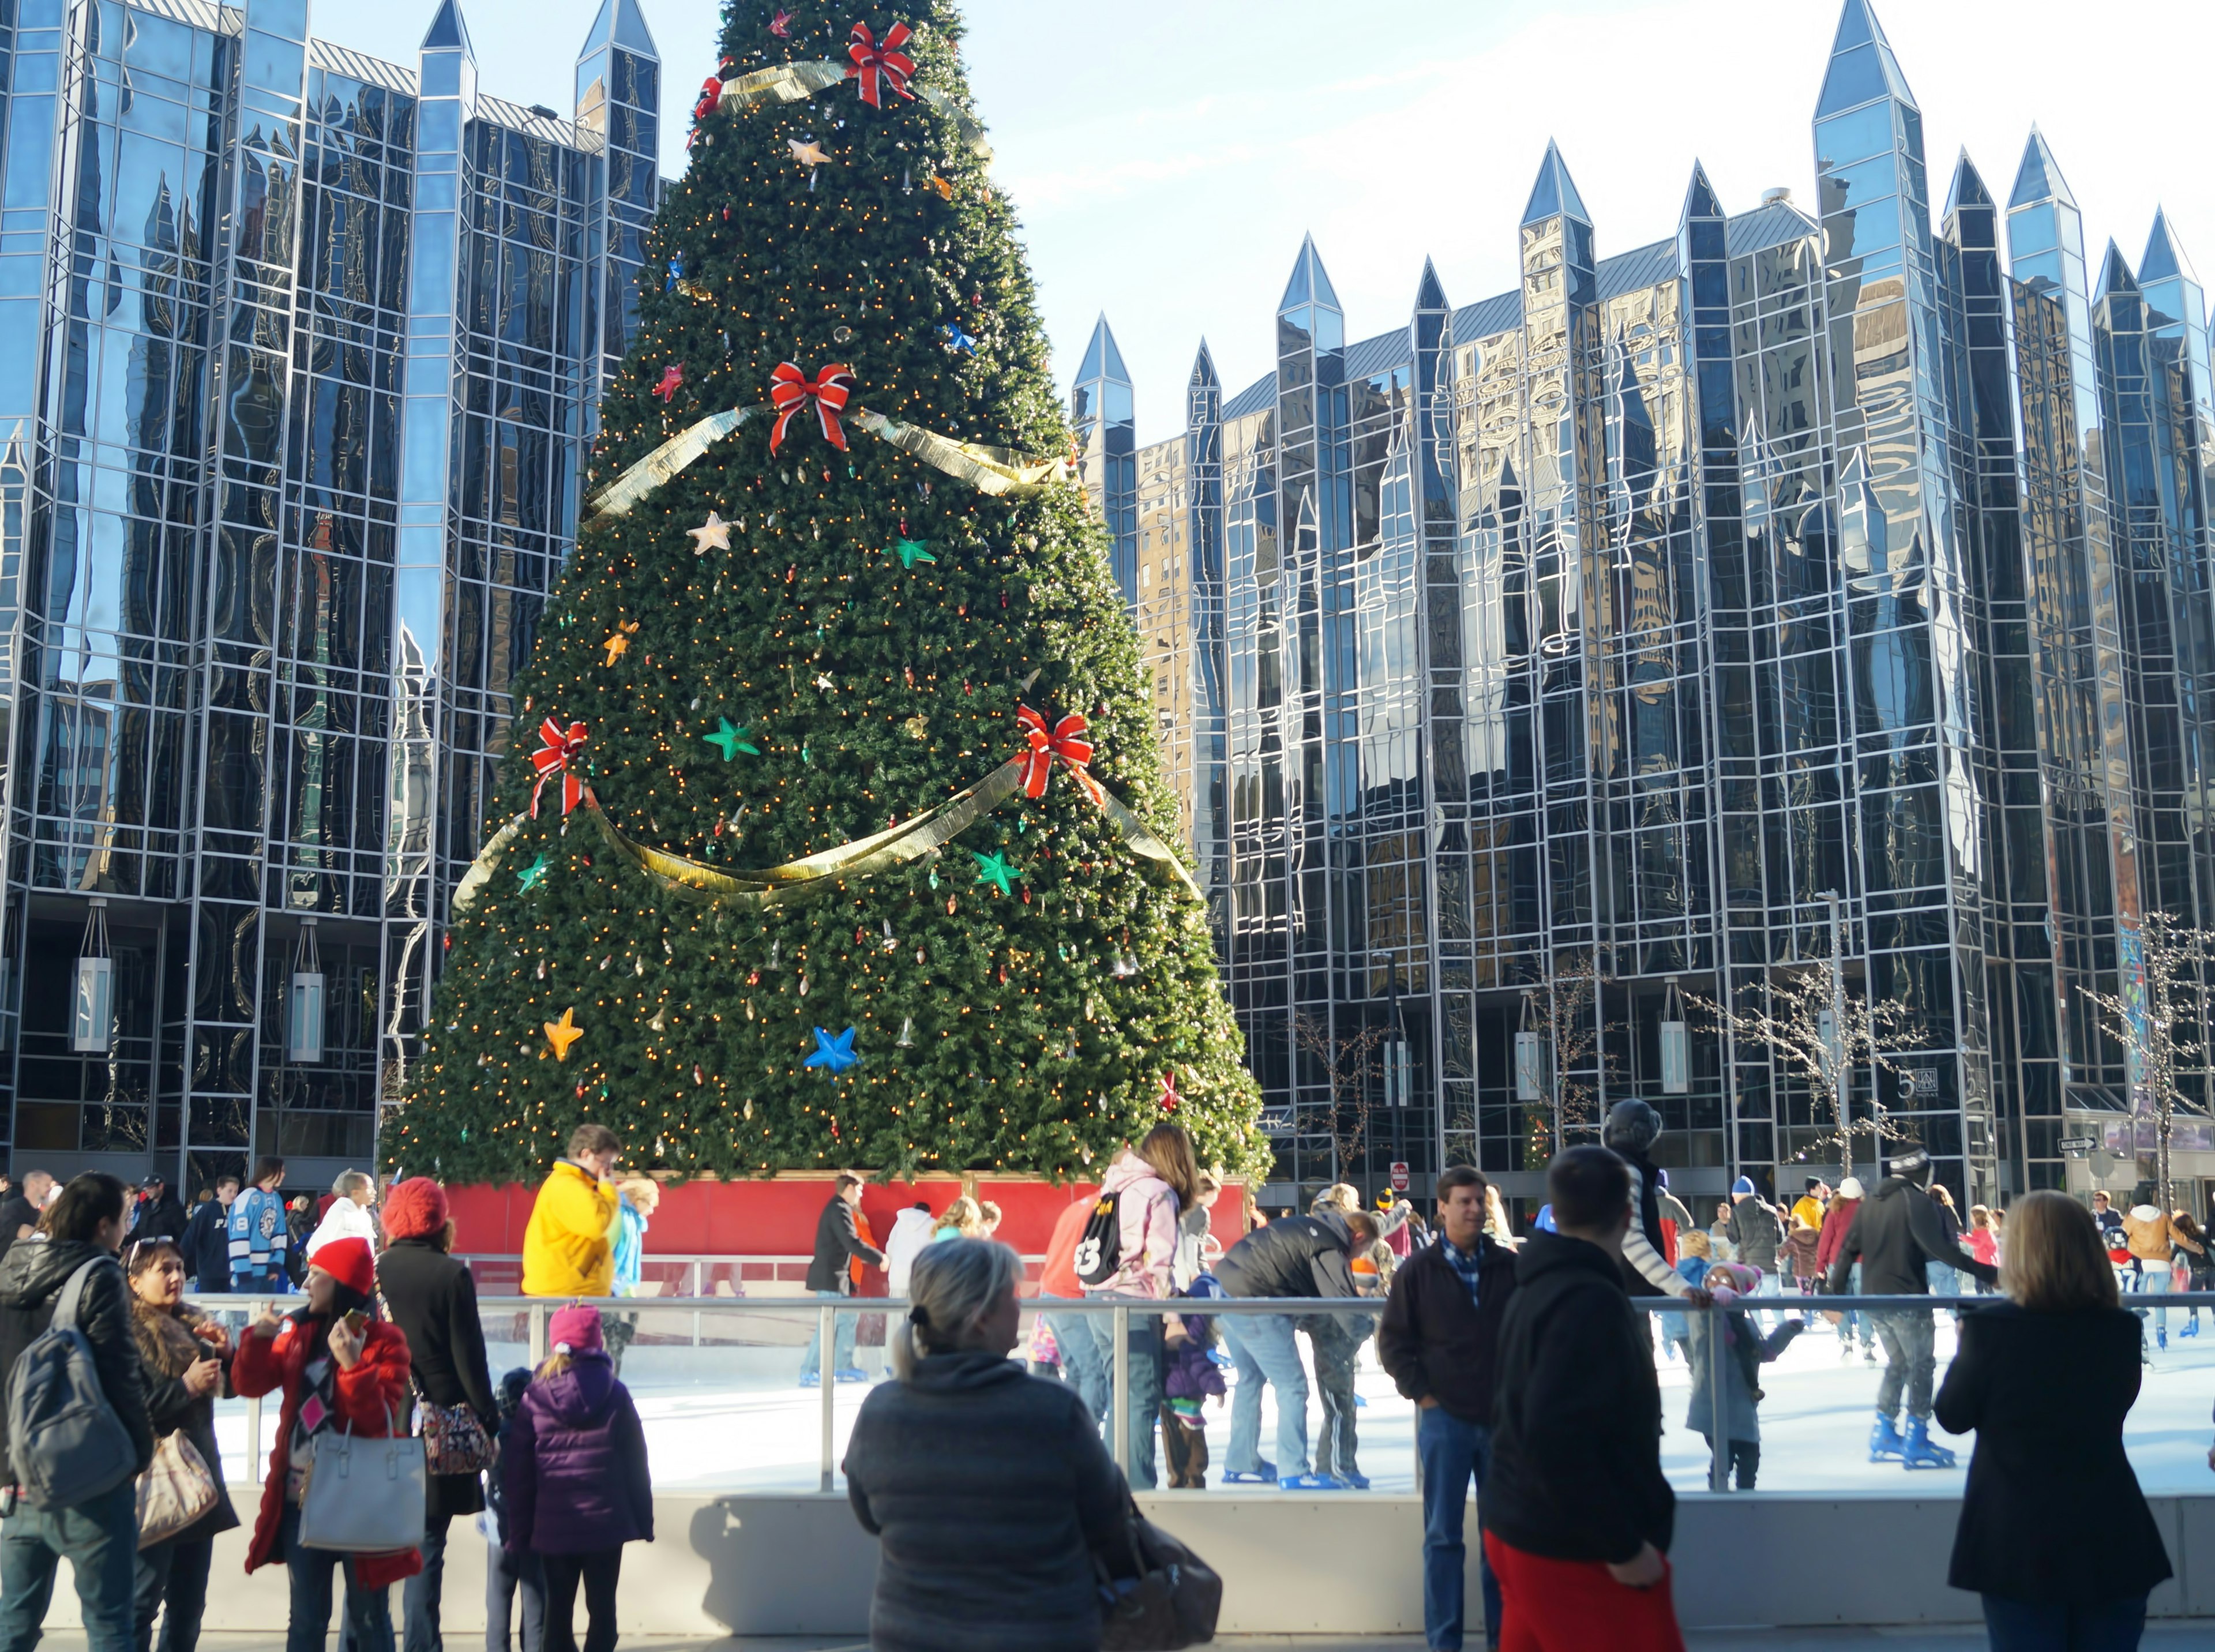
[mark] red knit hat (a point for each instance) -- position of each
(414, 1209)
(349, 1262)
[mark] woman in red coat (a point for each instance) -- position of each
(338, 1368)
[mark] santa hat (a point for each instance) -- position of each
(350, 1262)
(575, 1330)
(414, 1209)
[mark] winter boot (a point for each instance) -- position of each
(1920, 1454)
(1885, 1441)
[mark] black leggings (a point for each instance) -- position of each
(598, 1570)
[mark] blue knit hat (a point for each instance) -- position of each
(1744, 1184)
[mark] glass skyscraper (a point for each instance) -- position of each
(1548, 661)
(299, 353)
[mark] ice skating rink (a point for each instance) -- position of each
(729, 1415)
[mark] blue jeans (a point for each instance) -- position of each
(99, 1537)
(368, 1627)
(2031, 1626)
(1262, 1351)
(1453, 1452)
(505, 1575)
(419, 1595)
(174, 1575)
(848, 1327)
(1849, 1319)
(1770, 1285)
(1143, 1360)
(1083, 1358)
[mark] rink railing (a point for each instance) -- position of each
(823, 1315)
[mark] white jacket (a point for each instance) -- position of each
(345, 1219)
(911, 1232)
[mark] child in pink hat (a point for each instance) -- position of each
(573, 1480)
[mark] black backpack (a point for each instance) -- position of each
(1100, 1249)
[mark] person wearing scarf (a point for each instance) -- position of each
(332, 1376)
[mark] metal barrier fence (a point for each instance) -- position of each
(722, 1323)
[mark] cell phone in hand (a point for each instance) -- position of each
(355, 1320)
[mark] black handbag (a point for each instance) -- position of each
(1171, 1601)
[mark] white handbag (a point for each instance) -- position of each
(175, 1492)
(364, 1496)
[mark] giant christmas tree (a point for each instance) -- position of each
(805, 855)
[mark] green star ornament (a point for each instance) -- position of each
(530, 876)
(732, 739)
(912, 551)
(995, 868)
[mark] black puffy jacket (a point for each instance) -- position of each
(1296, 1256)
(32, 1275)
(1895, 1232)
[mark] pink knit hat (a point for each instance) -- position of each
(575, 1330)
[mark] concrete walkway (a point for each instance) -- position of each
(2195, 1636)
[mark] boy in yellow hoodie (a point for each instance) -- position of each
(569, 1248)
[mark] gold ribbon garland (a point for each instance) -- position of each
(794, 83)
(991, 470)
(817, 874)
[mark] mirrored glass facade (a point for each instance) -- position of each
(299, 353)
(1611, 626)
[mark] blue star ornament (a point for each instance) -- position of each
(834, 1055)
(957, 340)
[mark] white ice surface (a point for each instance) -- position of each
(730, 1418)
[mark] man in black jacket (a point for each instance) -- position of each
(207, 1240)
(830, 1273)
(1294, 1257)
(1577, 1515)
(100, 1536)
(1895, 1232)
(158, 1214)
(1438, 1342)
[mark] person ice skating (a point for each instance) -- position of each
(1190, 1377)
(1799, 1253)
(2152, 1241)
(912, 1230)
(1293, 1256)
(1145, 1191)
(1439, 1342)
(1757, 1233)
(1735, 1438)
(1809, 1205)
(1894, 1233)
(2046, 1379)
(2194, 1266)
(1632, 1129)
(839, 1242)
(568, 1245)
(1078, 1343)
(1577, 1515)
(1837, 1221)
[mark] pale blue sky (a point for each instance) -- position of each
(1166, 159)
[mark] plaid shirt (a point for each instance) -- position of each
(1465, 1265)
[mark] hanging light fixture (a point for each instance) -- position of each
(303, 1031)
(1530, 1056)
(92, 1030)
(1676, 1044)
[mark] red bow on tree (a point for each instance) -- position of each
(1066, 742)
(1169, 1098)
(790, 390)
(872, 60)
(558, 748)
(711, 93)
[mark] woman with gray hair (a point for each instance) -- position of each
(988, 1488)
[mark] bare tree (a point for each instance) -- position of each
(1563, 1013)
(2165, 1035)
(1344, 1057)
(1800, 1000)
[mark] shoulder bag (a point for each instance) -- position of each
(1173, 1600)
(454, 1439)
(364, 1496)
(176, 1491)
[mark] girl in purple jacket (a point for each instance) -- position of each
(573, 1480)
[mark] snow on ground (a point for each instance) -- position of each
(728, 1417)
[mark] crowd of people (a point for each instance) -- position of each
(364, 1327)
(1532, 1368)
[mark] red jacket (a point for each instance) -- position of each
(1059, 1275)
(371, 1397)
(1836, 1220)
